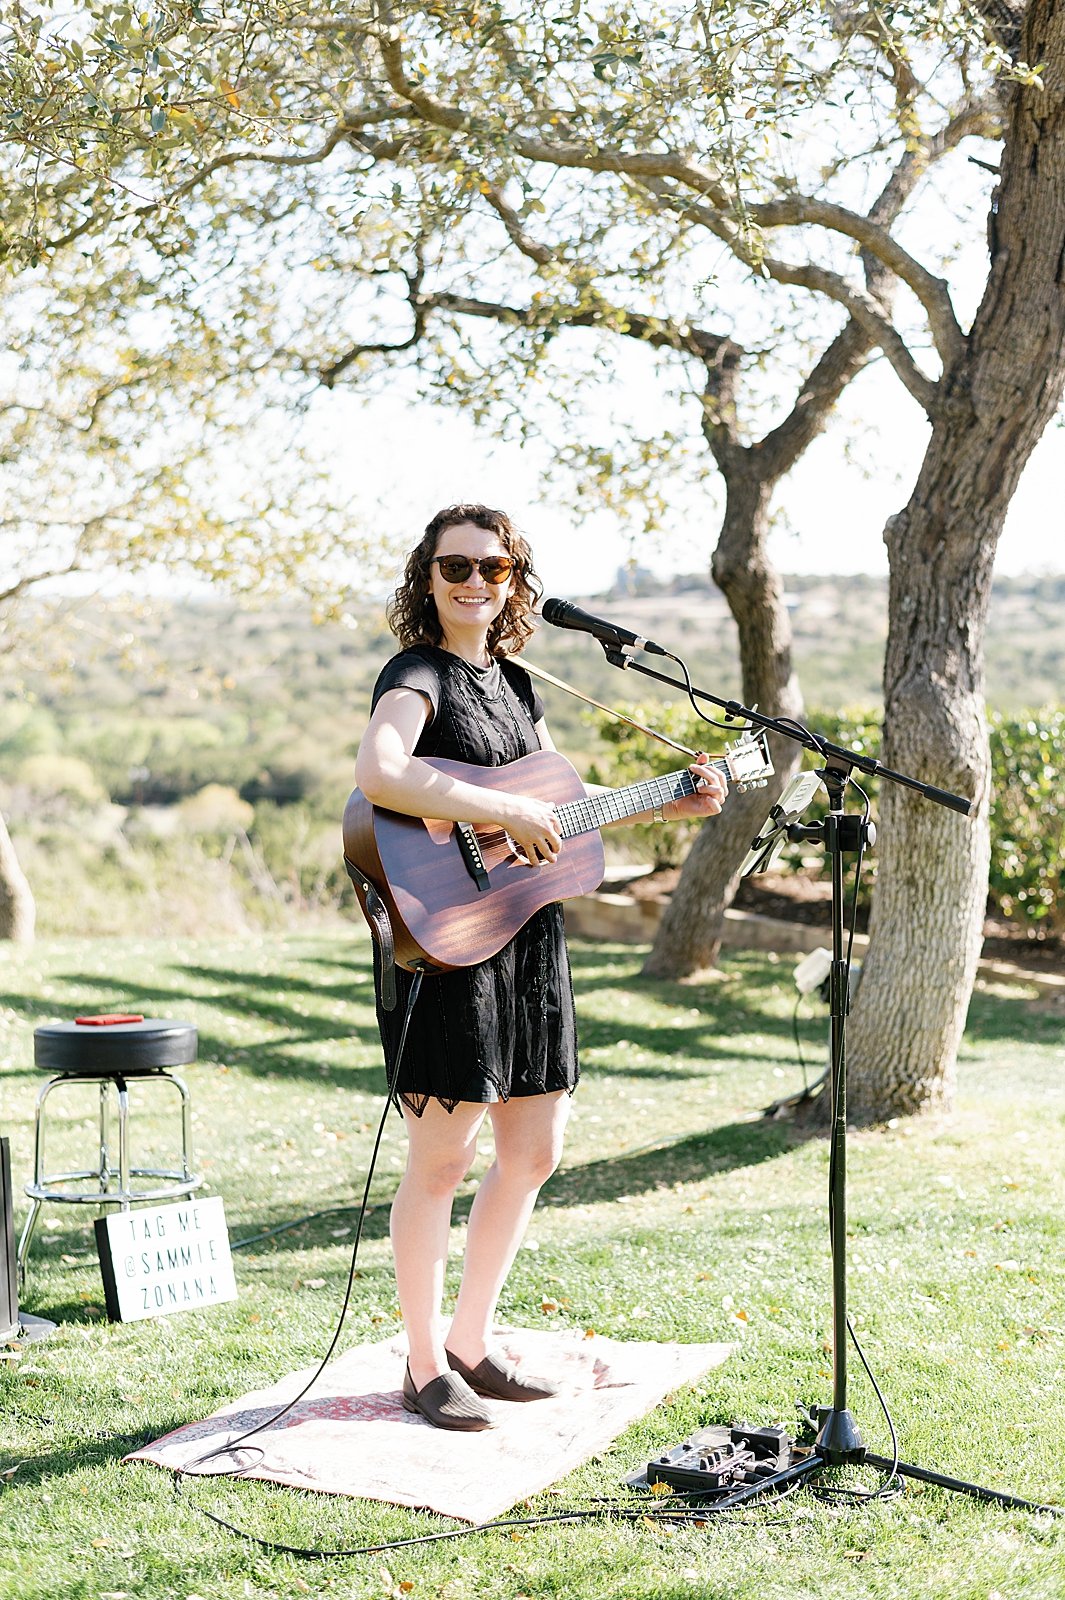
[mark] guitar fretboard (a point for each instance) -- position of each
(582, 816)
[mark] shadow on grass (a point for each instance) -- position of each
(993, 1018)
(99, 1446)
(276, 1057)
(726, 1149)
(729, 1148)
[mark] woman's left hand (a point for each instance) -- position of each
(709, 800)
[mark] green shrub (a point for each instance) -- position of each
(636, 756)
(1028, 817)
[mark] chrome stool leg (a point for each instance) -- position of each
(174, 1184)
(186, 1121)
(105, 1153)
(123, 1143)
(26, 1240)
(30, 1224)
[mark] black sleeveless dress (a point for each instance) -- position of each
(506, 1027)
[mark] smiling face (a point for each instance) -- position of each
(467, 610)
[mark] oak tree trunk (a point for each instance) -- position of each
(932, 880)
(689, 935)
(17, 910)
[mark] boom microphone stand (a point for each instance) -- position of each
(702, 1464)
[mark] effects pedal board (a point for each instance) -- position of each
(724, 1458)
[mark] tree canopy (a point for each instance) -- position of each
(505, 201)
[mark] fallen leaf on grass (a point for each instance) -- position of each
(406, 1586)
(589, 1333)
(857, 1555)
(548, 1305)
(314, 1283)
(100, 1544)
(304, 1588)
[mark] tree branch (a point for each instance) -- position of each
(542, 254)
(329, 375)
(865, 310)
(669, 165)
(660, 334)
(38, 577)
(931, 291)
(356, 118)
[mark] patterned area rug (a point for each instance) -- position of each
(351, 1435)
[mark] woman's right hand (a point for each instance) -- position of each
(533, 826)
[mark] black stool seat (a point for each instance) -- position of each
(129, 1049)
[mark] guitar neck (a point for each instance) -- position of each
(582, 816)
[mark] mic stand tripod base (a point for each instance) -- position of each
(838, 1441)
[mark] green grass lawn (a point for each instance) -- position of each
(956, 1282)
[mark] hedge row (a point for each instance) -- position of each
(1027, 807)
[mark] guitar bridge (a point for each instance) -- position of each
(470, 849)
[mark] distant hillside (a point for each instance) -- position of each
(273, 706)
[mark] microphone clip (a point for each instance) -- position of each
(619, 655)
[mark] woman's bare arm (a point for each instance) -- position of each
(390, 775)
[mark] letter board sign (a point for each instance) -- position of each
(165, 1258)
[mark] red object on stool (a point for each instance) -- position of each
(107, 1022)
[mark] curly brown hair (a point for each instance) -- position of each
(412, 609)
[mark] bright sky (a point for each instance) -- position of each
(413, 459)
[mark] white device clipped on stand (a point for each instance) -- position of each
(773, 835)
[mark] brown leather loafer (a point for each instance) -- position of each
(494, 1378)
(447, 1402)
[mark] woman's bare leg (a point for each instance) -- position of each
(441, 1151)
(528, 1134)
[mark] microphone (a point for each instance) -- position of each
(564, 614)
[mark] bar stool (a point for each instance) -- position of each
(109, 1050)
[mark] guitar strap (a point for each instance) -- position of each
(381, 928)
(619, 716)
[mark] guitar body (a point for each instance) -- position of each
(438, 913)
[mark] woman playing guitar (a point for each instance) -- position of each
(498, 1039)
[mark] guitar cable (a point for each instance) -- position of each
(238, 1443)
(659, 1514)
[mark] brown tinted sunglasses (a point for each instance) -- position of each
(456, 569)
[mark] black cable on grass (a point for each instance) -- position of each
(675, 1515)
(313, 1216)
(239, 1441)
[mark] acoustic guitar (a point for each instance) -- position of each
(456, 894)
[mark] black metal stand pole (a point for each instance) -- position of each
(838, 1439)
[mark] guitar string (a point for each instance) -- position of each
(582, 816)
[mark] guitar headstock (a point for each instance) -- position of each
(748, 762)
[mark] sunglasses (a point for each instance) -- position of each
(456, 569)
